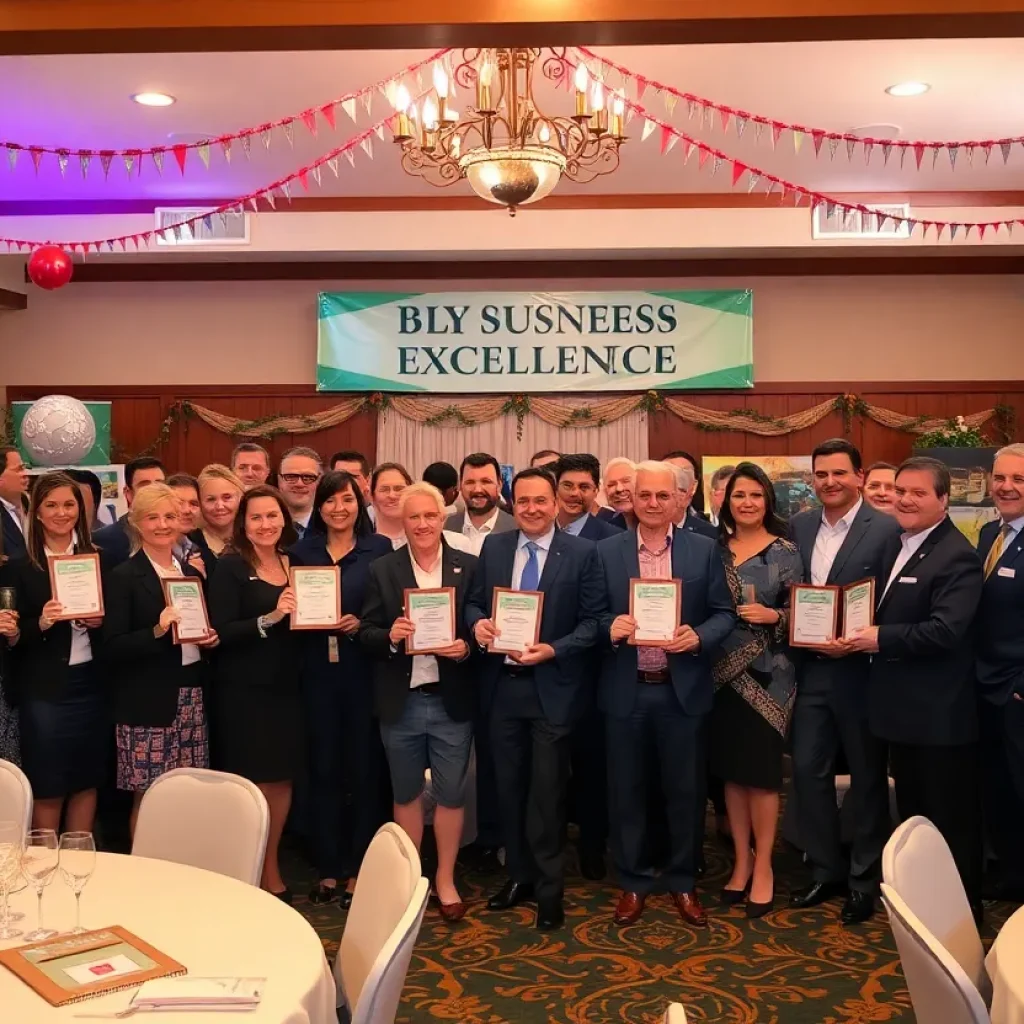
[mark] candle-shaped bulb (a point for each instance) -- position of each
(544, 134)
(402, 99)
(580, 78)
(430, 113)
(619, 106)
(597, 96)
(440, 81)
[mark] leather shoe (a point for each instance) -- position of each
(550, 915)
(511, 894)
(859, 906)
(452, 912)
(321, 894)
(690, 910)
(345, 900)
(592, 866)
(815, 894)
(629, 908)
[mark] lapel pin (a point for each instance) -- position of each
(457, 569)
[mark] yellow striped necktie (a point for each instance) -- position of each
(996, 551)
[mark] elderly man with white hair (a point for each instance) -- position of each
(684, 518)
(656, 698)
(619, 477)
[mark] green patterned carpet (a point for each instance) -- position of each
(802, 967)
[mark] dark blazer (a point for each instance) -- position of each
(198, 541)
(921, 684)
(114, 541)
(385, 602)
(999, 640)
(595, 529)
(14, 539)
(707, 607)
(40, 659)
(861, 556)
(606, 514)
(147, 672)
(698, 524)
(574, 600)
(238, 597)
(619, 521)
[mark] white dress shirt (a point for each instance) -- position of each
(16, 513)
(424, 666)
(909, 544)
(522, 555)
(190, 653)
(828, 542)
(1015, 526)
(454, 540)
(81, 648)
(476, 535)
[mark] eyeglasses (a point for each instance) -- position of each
(295, 478)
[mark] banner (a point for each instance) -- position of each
(523, 342)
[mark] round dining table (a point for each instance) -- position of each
(213, 925)
(1005, 966)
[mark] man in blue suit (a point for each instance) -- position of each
(113, 540)
(655, 699)
(578, 478)
(999, 665)
(532, 699)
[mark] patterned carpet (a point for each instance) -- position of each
(793, 967)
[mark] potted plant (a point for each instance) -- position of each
(969, 455)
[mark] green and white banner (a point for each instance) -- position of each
(505, 342)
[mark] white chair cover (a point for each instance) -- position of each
(383, 922)
(940, 990)
(917, 864)
(15, 795)
(207, 819)
(675, 1014)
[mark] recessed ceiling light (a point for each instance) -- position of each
(153, 99)
(908, 89)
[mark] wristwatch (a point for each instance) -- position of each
(261, 625)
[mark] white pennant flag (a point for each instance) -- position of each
(366, 145)
(672, 140)
(648, 129)
(379, 129)
(348, 104)
(350, 157)
(333, 165)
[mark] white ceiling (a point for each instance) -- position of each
(83, 101)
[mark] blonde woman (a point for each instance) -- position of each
(220, 491)
(158, 685)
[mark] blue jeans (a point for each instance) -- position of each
(425, 737)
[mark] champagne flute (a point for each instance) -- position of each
(11, 839)
(38, 864)
(77, 863)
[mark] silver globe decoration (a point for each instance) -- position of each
(57, 430)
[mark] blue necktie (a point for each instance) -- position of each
(300, 530)
(531, 571)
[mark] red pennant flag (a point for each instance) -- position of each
(776, 133)
(725, 119)
(328, 112)
(303, 180)
(641, 87)
(819, 137)
(666, 138)
(702, 157)
(181, 154)
(309, 120)
(37, 155)
(737, 170)
(918, 153)
(981, 231)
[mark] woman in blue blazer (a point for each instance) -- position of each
(348, 772)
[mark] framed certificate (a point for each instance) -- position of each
(185, 593)
(858, 607)
(432, 612)
(813, 615)
(516, 615)
(657, 606)
(317, 597)
(70, 968)
(75, 582)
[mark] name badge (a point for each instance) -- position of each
(332, 650)
(907, 579)
(1008, 573)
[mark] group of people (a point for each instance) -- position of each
(626, 739)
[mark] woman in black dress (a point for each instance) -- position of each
(65, 714)
(10, 745)
(256, 692)
(348, 770)
(755, 680)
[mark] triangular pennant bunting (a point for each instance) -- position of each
(315, 169)
(868, 146)
(225, 148)
(953, 228)
(246, 145)
(1004, 148)
(886, 150)
(818, 137)
(328, 114)
(303, 177)
(798, 140)
(368, 100)
(737, 171)
(84, 159)
(702, 157)
(776, 133)
(715, 164)
(203, 149)
(366, 145)
(850, 146)
(269, 196)
(180, 155)
(953, 150)
(641, 87)
(688, 151)
(348, 104)
(752, 183)
(309, 120)
(62, 160)
(833, 145)
(667, 137)
(741, 126)
(670, 102)
(105, 157)
(266, 136)
(12, 157)
(725, 115)
(286, 189)
(37, 156)
(158, 160)
(350, 157)
(332, 163)
(378, 129)
(648, 129)
(758, 130)
(918, 153)
(289, 132)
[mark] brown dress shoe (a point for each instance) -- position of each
(452, 912)
(690, 910)
(629, 908)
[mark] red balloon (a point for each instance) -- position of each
(50, 267)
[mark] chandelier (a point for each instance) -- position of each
(506, 147)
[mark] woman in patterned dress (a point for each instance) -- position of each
(158, 684)
(755, 680)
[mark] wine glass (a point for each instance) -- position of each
(11, 840)
(38, 864)
(77, 863)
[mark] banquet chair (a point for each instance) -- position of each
(917, 864)
(940, 990)
(383, 922)
(206, 819)
(675, 1014)
(15, 795)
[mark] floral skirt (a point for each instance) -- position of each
(144, 753)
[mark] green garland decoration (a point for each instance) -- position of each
(518, 406)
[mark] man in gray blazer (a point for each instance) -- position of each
(843, 542)
(479, 485)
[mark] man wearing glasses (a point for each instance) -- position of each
(578, 478)
(297, 478)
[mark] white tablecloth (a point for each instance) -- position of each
(1005, 966)
(212, 924)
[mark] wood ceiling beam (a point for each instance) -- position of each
(127, 26)
(10, 299)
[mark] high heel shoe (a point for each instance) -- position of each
(756, 910)
(732, 897)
